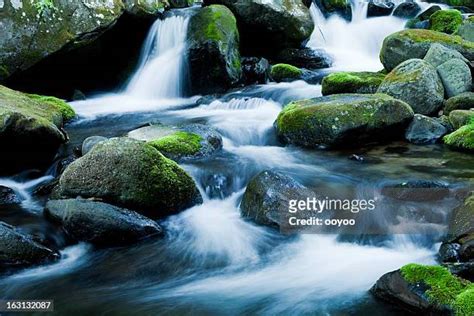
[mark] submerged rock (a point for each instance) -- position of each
(213, 50)
(342, 120)
(456, 77)
(132, 174)
(267, 198)
(352, 82)
(30, 130)
(425, 130)
(8, 196)
(446, 21)
(255, 70)
(285, 72)
(305, 58)
(417, 191)
(408, 44)
(417, 83)
(100, 223)
(19, 250)
(270, 25)
(427, 290)
(463, 101)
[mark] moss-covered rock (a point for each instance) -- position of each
(409, 44)
(269, 26)
(417, 83)
(30, 130)
(143, 8)
(61, 105)
(213, 49)
(352, 82)
(446, 21)
(342, 120)
(463, 101)
(285, 72)
(179, 144)
(460, 3)
(426, 289)
(132, 174)
(459, 118)
(462, 138)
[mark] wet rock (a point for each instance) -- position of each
(130, 173)
(213, 50)
(146, 8)
(407, 10)
(183, 143)
(352, 82)
(439, 54)
(8, 196)
(459, 118)
(255, 70)
(100, 223)
(408, 44)
(90, 142)
(342, 8)
(342, 120)
(376, 9)
(269, 26)
(463, 101)
(305, 58)
(417, 191)
(425, 130)
(456, 77)
(417, 83)
(267, 197)
(20, 250)
(30, 129)
(285, 72)
(464, 270)
(446, 21)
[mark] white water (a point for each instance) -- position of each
(24, 190)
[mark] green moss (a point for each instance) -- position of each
(4, 73)
(44, 6)
(213, 23)
(430, 36)
(65, 109)
(446, 21)
(280, 72)
(444, 288)
(352, 82)
(179, 143)
(462, 139)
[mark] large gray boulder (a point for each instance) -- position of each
(417, 83)
(273, 24)
(408, 44)
(130, 173)
(20, 250)
(342, 120)
(100, 223)
(456, 77)
(425, 130)
(213, 50)
(439, 54)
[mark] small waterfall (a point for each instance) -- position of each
(161, 72)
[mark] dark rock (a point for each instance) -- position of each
(379, 9)
(8, 196)
(342, 8)
(305, 58)
(255, 70)
(100, 223)
(407, 10)
(425, 130)
(417, 191)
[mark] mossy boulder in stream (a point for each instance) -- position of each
(446, 21)
(430, 290)
(30, 124)
(285, 72)
(342, 120)
(352, 82)
(213, 50)
(408, 44)
(459, 118)
(417, 83)
(463, 101)
(461, 139)
(130, 173)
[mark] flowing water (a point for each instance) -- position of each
(211, 260)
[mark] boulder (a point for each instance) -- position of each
(340, 7)
(425, 130)
(90, 142)
(422, 21)
(416, 191)
(463, 101)
(255, 70)
(342, 120)
(352, 82)
(407, 10)
(446, 21)
(408, 44)
(270, 25)
(417, 83)
(132, 174)
(285, 72)
(459, 118)
(213, 50)
(184, 143)
(456, 77)
(20, 250)
(30, 130)
(305, 58)
(144, 8)
(462, 3)
(425, 290)
(439, 54)
(376, 9)
(100, 223)
(8, 196)
(466, 29)
(461, 139)
(267, 198)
